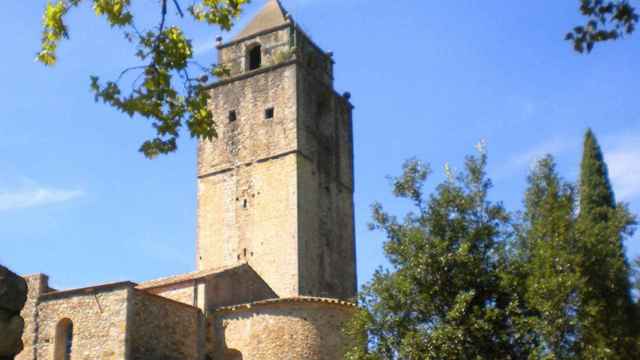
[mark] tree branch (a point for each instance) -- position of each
(175, 2)
(164, 15)
(125, 71)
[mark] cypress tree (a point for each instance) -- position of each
(606, 314)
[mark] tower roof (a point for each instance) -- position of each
(271, 15)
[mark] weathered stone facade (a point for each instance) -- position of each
(276, 190)
(283, 329)
(211, 289)
(254, 204)
(275, 250)
(99, 318)
(115, 321)
(180, 328)
(38, 284)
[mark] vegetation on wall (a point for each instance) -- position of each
(283, 55)
(469, 280)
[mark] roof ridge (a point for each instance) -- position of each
(271, 15)
(168, 280)
(88, 289)
(295, 299)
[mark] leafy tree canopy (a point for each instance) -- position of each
(546, 257)
(606, 314)
(164, 91)
(445, 298)
(606, 21)
(469, 280)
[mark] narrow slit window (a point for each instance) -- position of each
(232, 116)
(268, 114)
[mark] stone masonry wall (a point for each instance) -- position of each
(38, 284)
(277, 193)
(275, 49)
(247, 191)
(327, 241)
(263, 232)
(251, 136)
(211, 290)
(281, 331)
(236, 286)
(99, 318)
(314, 59)
(162, 329)
(183, 292)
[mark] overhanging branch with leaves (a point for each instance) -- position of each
(164, 91)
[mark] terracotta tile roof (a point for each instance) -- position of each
(177, 279)
(87, 290)
(300, 299)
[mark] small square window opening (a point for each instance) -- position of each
(268, 114)
(232, 116)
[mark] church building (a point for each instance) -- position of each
(276, 270)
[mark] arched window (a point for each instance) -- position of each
(64, 340)
(254, 57)
(232, 354)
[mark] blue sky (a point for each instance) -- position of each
(429, 79)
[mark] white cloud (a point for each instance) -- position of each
(623, 159)
(532, 155)
(621, 152)
(529, 157)
(35, 197)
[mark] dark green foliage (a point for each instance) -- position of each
(606, 315)
(546, 253)
(596, 194)
(445, 298)
(606, 21)
(164, 90)
(468, 282)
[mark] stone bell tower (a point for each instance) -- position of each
(275, 189)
